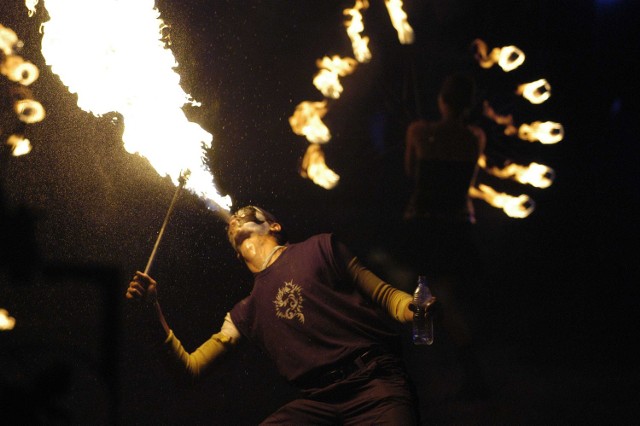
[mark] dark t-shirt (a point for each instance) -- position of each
(305, 311)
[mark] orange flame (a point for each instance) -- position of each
(8, 40)
(307, 118)
(508, 57)
(29, 111)
(129, 70)
(22, 72)
(535, 92)
(355, 26)
(19, 145)
(503, 120)
(399, 21)
(314, 167)
(327, 79)
(307, 121)
(16, 69)
(516, 207)
(6, 322)
(534, 174)
(546, 132)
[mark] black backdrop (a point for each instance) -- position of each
(556, 313)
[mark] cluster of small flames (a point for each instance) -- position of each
(17, 99)
(538, 175)
(307, 118)
(18, 108)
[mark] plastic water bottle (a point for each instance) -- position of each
(422, 325)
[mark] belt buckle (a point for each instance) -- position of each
(363, 359)
(336, 375)
(358, 363)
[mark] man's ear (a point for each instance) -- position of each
(275, 227)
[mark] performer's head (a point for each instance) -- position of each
(251, 220)
(457, 93)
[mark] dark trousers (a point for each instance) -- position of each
(378, 394)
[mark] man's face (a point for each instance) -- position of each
(244, 223)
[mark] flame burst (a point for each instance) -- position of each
(127, 68)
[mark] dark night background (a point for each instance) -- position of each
(557, 312)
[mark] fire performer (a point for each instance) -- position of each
(441, 158)
(330, 326)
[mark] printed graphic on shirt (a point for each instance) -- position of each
(289, 302)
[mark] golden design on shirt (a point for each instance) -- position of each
(288, 302)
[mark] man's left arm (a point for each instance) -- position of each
(394, 301)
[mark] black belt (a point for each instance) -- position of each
(341, 370)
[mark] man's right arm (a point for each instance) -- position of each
(197, 363)
(143, 289)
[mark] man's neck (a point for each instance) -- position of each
(271, 257)
(267, 253)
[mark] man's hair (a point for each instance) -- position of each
(259, 215)
(458, 91)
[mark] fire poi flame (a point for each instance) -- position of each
(535, 92)
(128, 69)
(327, 80)
(516, 207)
(355, 26)
(19, 145)
(20, 73)
(15, 68)
(508, 57)
(307, 121)
(534, 174)
(399, 21)
(7, 322)
(314, 167)
(547, 132)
